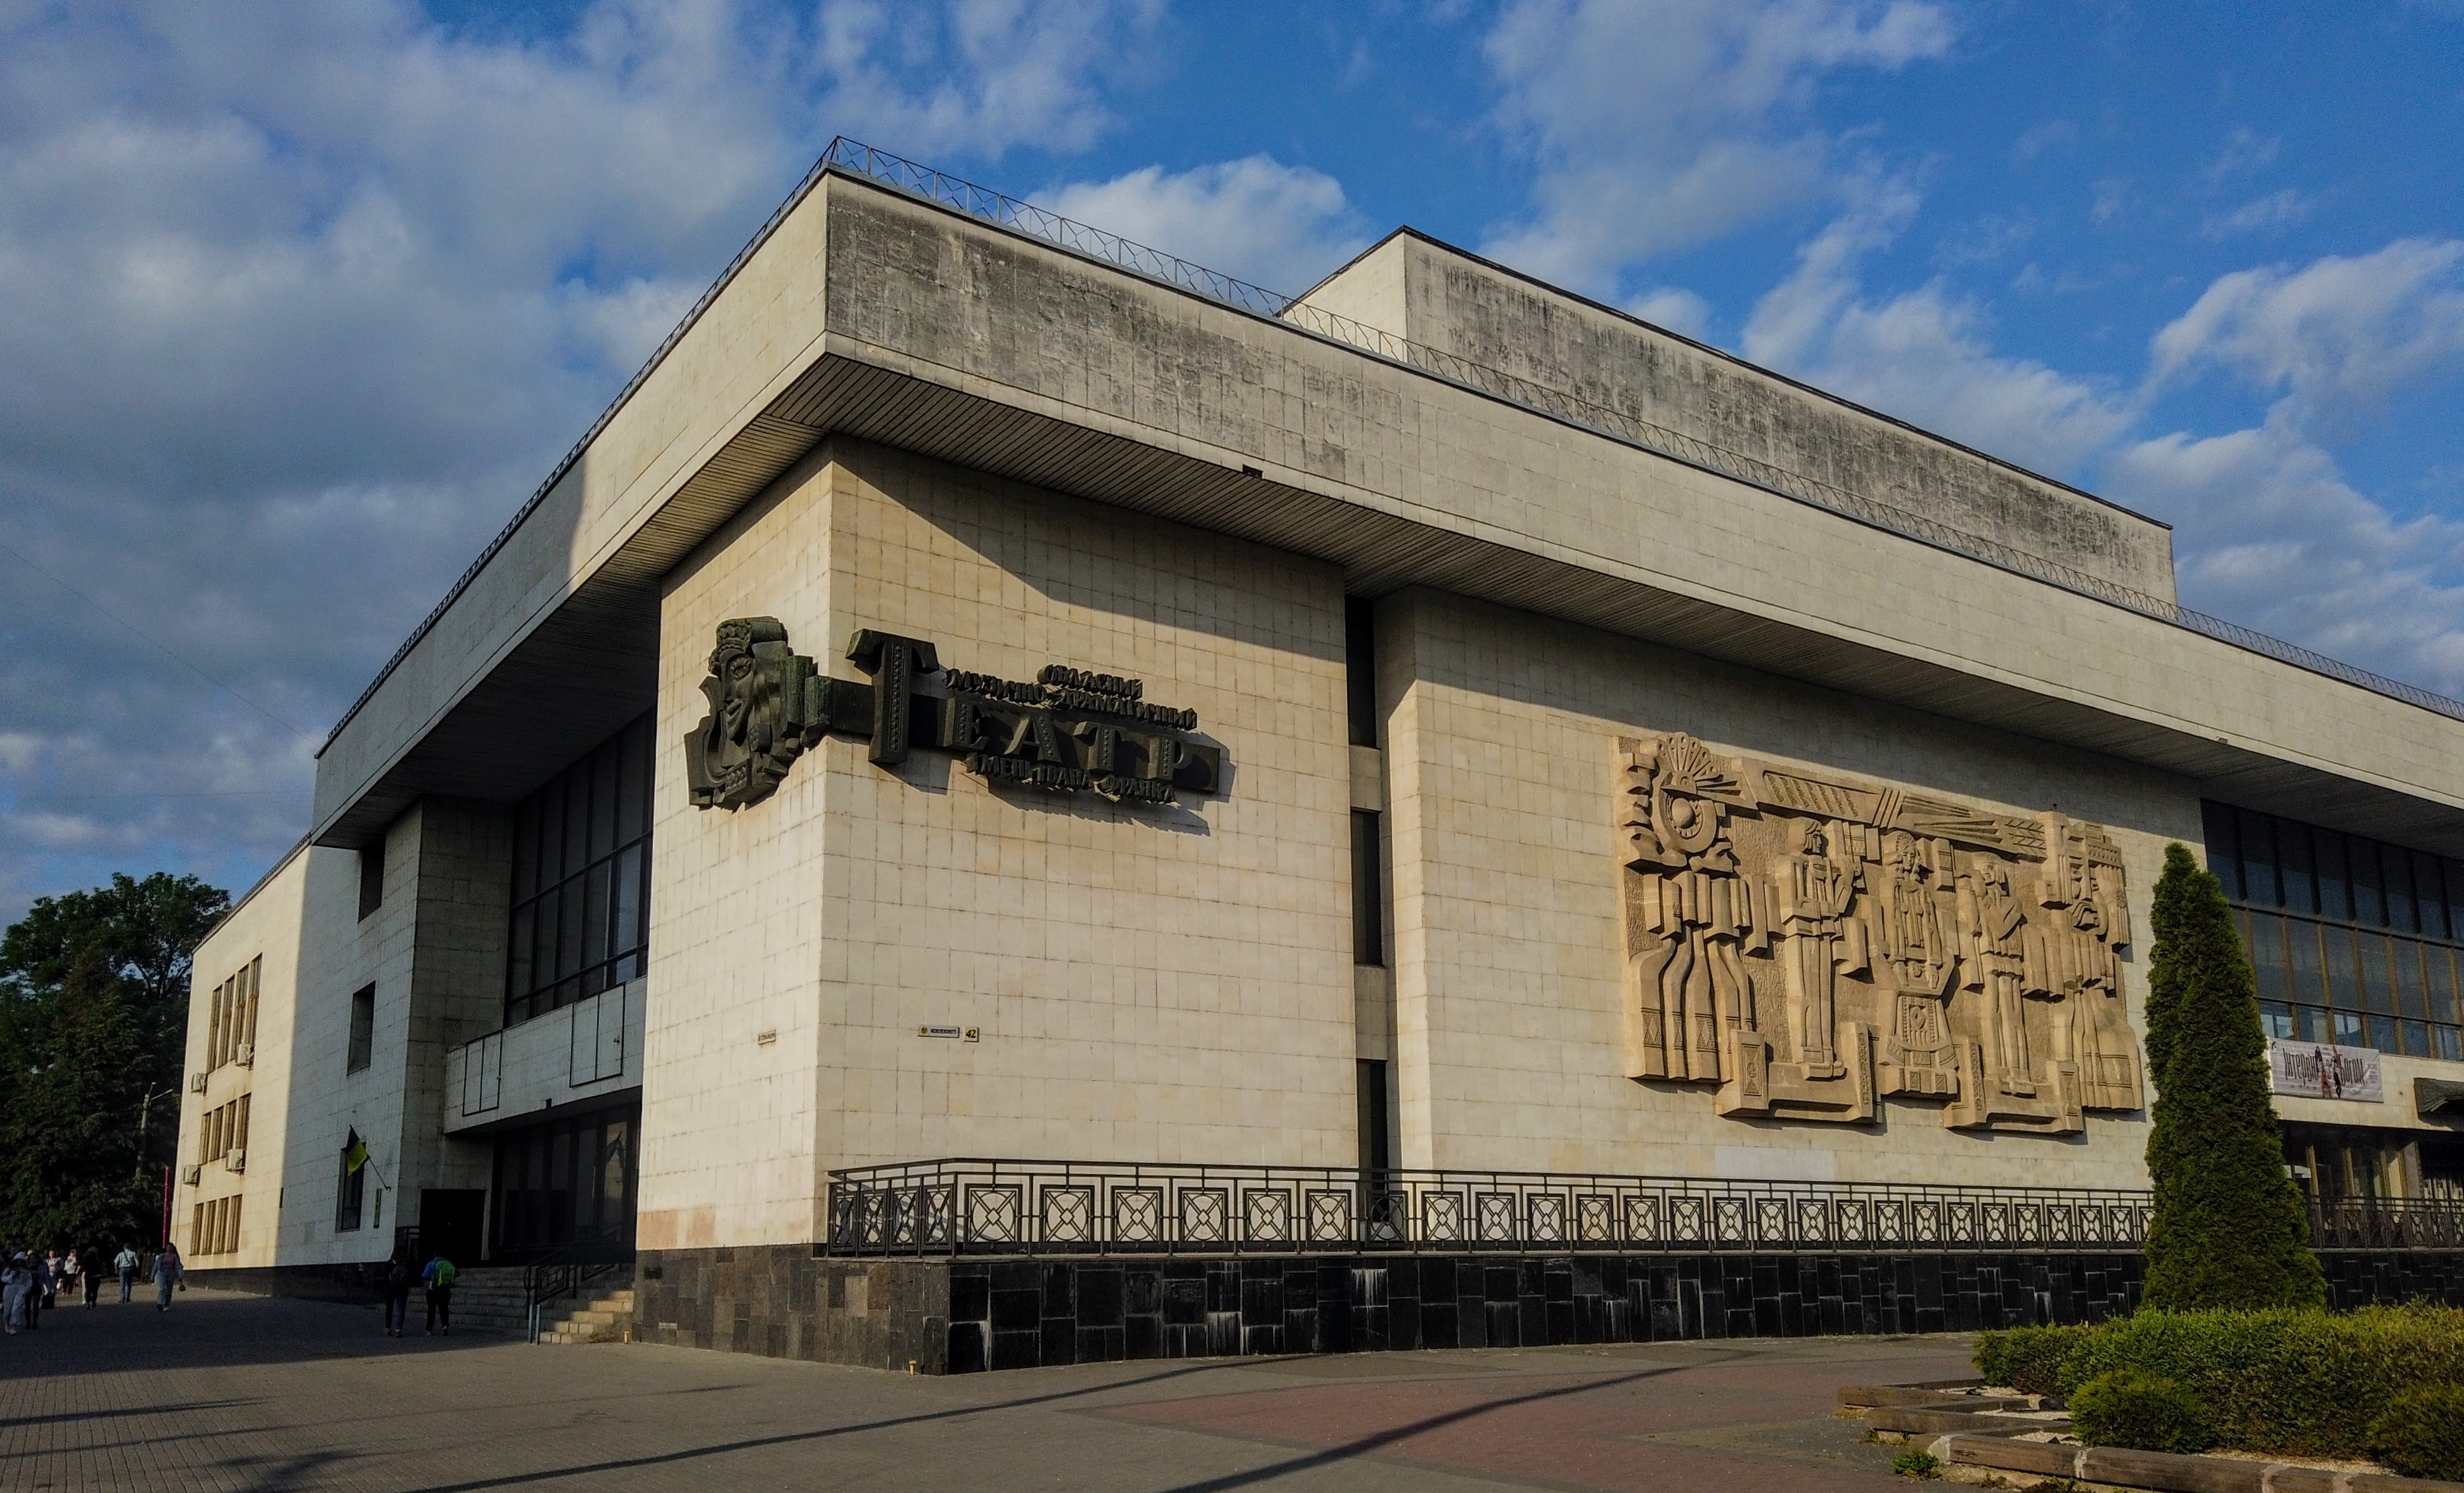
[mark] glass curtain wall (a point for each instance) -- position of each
(2353, 941)
(582, 879)
(569, 1181)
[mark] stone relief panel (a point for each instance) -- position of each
(1809, 944)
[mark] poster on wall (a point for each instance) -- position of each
(2317, 1070)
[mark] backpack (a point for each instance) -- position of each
(442, 1273)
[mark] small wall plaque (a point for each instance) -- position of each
(952, 1033)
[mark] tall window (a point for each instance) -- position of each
(582, 874)
(350, 1194)
(363, 1030)
(2353, 941)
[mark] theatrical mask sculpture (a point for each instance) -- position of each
(1689, 915)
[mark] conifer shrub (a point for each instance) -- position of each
(2228, 1229)
(2028, 1359)
(2124, 1407)
(2284, 1381)
(2421, 1433)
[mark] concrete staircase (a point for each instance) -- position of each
(489, 1299)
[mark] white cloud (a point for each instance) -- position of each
(1922, 355)
(1660, 123)
(2336, 338)
(2270, 534)
(1278, 226)
(1676, 308)
(301, 298)
(2264, 215)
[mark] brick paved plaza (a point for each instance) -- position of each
(231, 1392)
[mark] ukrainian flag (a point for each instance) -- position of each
(355, 1152)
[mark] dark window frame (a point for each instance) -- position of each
(577, 921)
(2359, 930)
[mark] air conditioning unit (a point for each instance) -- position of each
(235, 1159)
(196, 1083)
(191, 1175)
(245, 1055)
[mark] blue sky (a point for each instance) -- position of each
(300, 299)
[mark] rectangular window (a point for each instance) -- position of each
(240, 1126)
(1368, 894)
(2259, 861)
(1360, 670)
(363, 1030)
(1376, 1152)
(350, 1194)
(255, 976)
(2403, 911)
(580, 918)
(2292, 865)
(2425, 893)
(2370, 897)
(371, 879)
(2223, 835)
(2335, 877)
(2309, 978)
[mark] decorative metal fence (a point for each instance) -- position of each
(2386, 1223)
(975, 1206)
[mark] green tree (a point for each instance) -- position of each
(138, 936)
(2229, 1228)
(71, 1169)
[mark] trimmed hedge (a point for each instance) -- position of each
(2292, 1382)
(2127, 1408)
(2421, 1434)
(2027, 1359)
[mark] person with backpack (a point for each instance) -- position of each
(397, 1295)
(126, 1263)
(439, 1277)
(167, 1274)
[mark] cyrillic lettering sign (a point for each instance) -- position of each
(1069, 730)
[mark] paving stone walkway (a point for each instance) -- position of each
(231, 1392)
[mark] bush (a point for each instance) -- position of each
(2289, 1382)
(2127, 1408)
(2028, 1359)
(2421, 1433)
(1923, 1466)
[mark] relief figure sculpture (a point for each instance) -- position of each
(1902, 942)
(1991, 921)
(1688, 915)
(1819, 941)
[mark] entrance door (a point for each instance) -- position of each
(448, 1224)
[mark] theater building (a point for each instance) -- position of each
(1015, 800)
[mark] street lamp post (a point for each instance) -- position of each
(145, 1114)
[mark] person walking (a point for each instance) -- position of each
(65, 1274)
(16, 1284)
(167, 1274)
(90, 1270)
(41, 1293)
(397, 1295)
(439, 1277)
(126, 1263)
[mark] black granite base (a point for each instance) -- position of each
(1016, 1314)
(964, 1315)
(781, 1302)
(2361, 1278)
